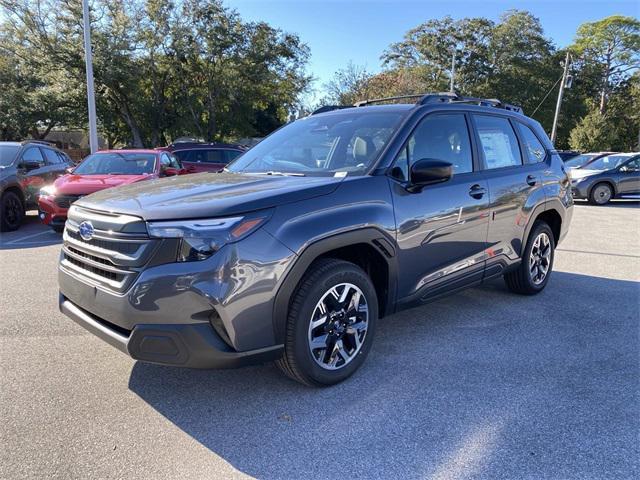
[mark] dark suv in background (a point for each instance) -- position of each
(302, 244)
(205, 157)
(26, 167)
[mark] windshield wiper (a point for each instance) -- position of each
(279, 174)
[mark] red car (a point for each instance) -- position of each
(104, 169)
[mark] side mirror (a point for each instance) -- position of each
(69, 169)
(428, 171)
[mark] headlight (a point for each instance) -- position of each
(199, 239)
(47, 191)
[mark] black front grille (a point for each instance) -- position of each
(95, 270)
(65, 201)
(121, 247)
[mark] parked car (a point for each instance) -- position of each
(302, 244)
(611, 176)
(104, 169)
(26, 167)
(567, 155)
(205, 157)
(584, 159)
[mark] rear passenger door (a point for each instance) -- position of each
(441, 229)
(33, 173)
(514, 161)
(56, 165)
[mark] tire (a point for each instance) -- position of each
(58, 228)
(527, 279)
(327, 363)
(11, 212)
(601, 194)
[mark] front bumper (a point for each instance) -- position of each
(185, 345)
(50, 213)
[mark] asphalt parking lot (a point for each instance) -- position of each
(483, 384)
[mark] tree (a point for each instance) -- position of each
(613, 45)
(163, 69)
(593, 133)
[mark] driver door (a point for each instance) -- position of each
(442, 229)
(629, 178)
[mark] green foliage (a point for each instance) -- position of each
(612, 46)
(593, 133)
(162, 69)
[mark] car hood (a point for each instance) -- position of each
(207, 195)
(84, 184)
(579, 173)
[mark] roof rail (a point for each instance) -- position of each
(441, 97)
(329, 108)
(41, 142)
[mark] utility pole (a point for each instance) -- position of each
(453, 72)
(91, 99)
(563, 83)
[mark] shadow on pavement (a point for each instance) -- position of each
(33, 233)
(482, 383)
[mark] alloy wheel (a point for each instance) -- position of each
(12, 210)
(602, 194)
(540, 258)
(338, 326)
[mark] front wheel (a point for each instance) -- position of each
(11, 212)
(601, 194)
(330, 325)
(537, 262)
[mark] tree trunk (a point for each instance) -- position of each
(605, 81)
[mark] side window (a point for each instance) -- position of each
(231, 155)
(214, 156)
(175, 163)
(499, 142)
(165, 161)
(534, 150)
(632, 166)
(183, 155)
(51, 156)
(34, 155)
(63, 157)
(439, 137)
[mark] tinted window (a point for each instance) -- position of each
(231, 155)
(63, 158)
(438, 137)
(51, 156)
(33, 155)
(206, 156)
(169, 161)
(498, 140)
(533, 150)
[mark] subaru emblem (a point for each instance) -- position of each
(86, 231)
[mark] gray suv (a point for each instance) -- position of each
(26, 167)
(306, 241)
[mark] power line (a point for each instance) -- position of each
(548, 93)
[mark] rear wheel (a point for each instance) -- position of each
(330, 325)
(11, 212)
(537, 262)
(601, 194)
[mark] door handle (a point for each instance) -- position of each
(532, 180)
(477, 191)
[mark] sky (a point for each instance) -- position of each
(338, 32)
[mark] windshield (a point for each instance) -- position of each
(115, 163)
(8, 154)
(579, 161)
(324, 145)
(607, 163)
